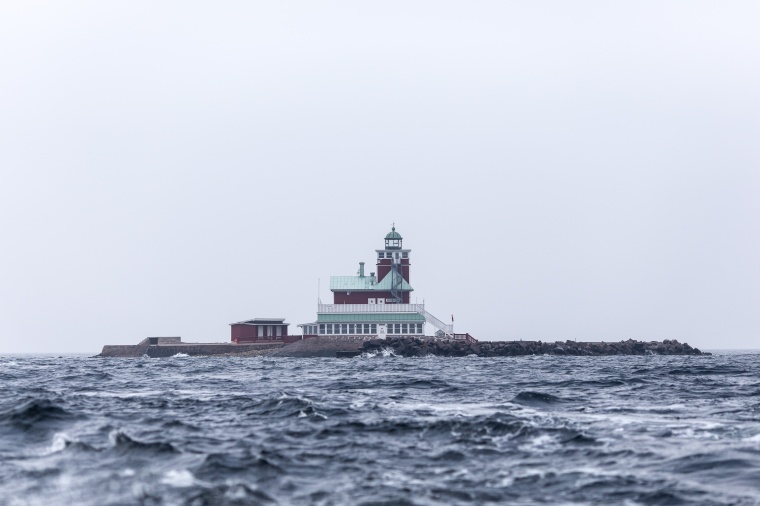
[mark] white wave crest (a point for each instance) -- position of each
(388, 352)
(384, 352)
(178, 478)
(60, 440)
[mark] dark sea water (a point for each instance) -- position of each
(520, 430)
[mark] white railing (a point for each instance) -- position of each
(371, 308)
(435, 322)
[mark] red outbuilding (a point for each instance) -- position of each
(262, 330)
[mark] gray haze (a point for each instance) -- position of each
(560, 170)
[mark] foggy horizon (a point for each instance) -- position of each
(560, 171)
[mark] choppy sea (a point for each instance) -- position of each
(383, 430)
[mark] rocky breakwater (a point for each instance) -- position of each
(415, 347)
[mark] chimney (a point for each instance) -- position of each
(361, 269)
(372, 278)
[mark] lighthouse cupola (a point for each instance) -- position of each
(393, 239)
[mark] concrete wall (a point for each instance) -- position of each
(138, 350)
(126, 350)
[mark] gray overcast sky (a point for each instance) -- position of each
(560, 170)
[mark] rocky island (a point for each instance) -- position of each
(373, 314)
(401, 347)
(411, 347)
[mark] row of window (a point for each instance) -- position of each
(269, 331)
(348, 328)
(364, 328)
(404, 328)
(389, 254)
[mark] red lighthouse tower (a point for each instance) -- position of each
(393, 261)
(391, 286)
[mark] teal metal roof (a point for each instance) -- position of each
(393, 234)
(370, 317)
(364, 284)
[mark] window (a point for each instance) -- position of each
(329, 328)
(397, 328)
(321, 328)
(405, 255)
(366, 328)
(370, 301)
(404, 328)
(373, 329)
(343, 328)
(381, 301)
(351, 329)
(380, 255)
(279, 330)
(419, 328)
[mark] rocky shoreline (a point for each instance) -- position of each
(399, 346)
(412, 347)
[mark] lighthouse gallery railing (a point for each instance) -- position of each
(371, 308)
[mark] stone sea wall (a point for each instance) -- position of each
(413, 347)
(169, 350)
(402, 346)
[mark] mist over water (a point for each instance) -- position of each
(384, 430)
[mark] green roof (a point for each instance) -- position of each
(393, 234)
(369, 317)
(364, 284)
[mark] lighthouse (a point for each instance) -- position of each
(390, 286)
(375, 305)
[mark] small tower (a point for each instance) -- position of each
(393, 261)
